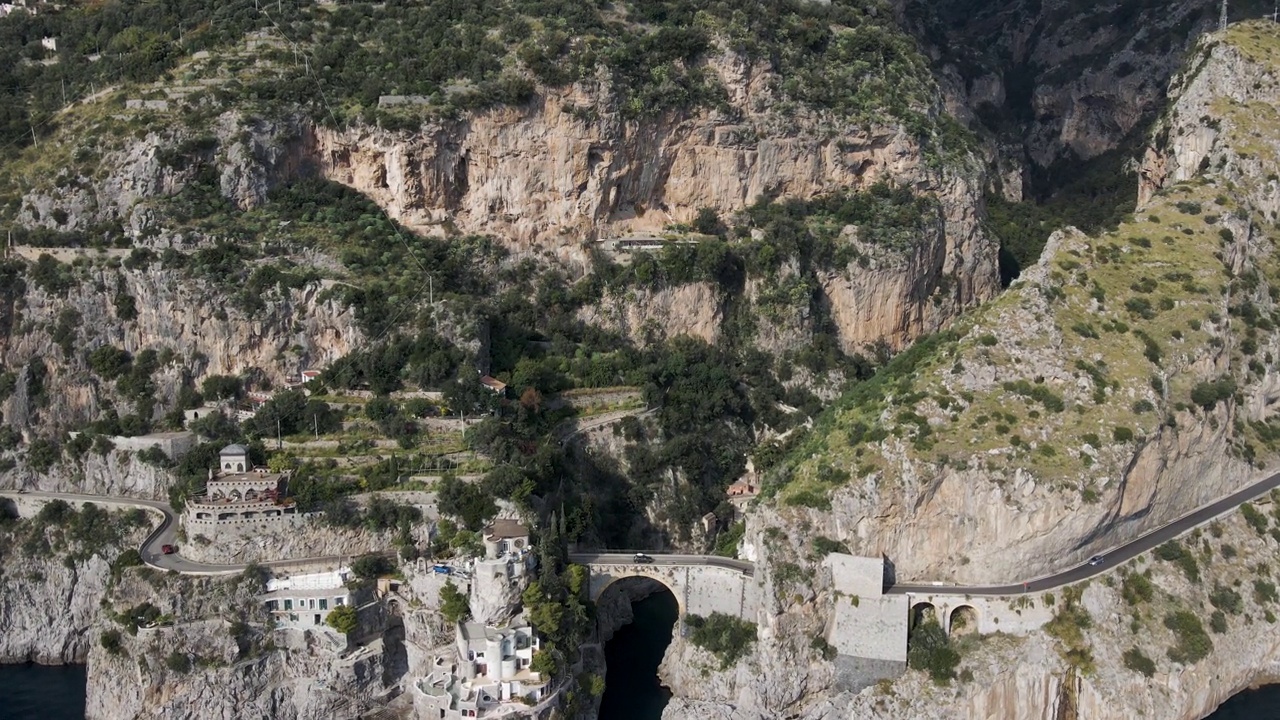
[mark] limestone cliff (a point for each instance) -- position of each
(1124, 381)
(50, 599)
(1056, 81)
(1120, 383)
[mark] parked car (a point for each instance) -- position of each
(642, 558)
(1096, 560)
(442, 569)
(168, 549)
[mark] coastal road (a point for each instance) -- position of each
(1083, 571)
(167, 534)
(1111, 558)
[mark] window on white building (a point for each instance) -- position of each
(288, 603)
(324, 603)
(339, 602)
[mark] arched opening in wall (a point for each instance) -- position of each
(636, 619)
(964, 620)
(923, 612)
(239, 467)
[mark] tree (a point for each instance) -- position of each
(544, 661)
(454, 606)
(371, 566)
(222, 387)
(928, 649)
(343, 619)
(216, 427)
(466, 502)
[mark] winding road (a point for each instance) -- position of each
(166, 534)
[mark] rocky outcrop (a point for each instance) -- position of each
(309, 537)
(114, 474)
(1055, 80)
(52, 591)
(47, 607)
(219, 659)
(191, 318)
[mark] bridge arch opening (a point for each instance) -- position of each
(963, 620)
(923, 612)
(637, 617)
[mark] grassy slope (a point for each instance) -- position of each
(1109, 335)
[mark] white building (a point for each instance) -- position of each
(490, 676)
(304, 601)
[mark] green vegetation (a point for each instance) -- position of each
(1068, 625)
(1096, 195)
(1135, 660)
(178, 662)
(929, 649)
(454, 607)
(1136, 588)
(1122, 306)
(76, 535)
(371, 567)
(1211, 392)
(1175, 552)
(1192, 643)
(110, 641)
(343, 619)
(725, 636)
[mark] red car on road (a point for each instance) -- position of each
(168, 549)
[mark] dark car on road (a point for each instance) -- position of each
(168, 549)
(1096, 560)
(642, 558)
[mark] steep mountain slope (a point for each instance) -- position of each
(1122, 381)
(1127, 378)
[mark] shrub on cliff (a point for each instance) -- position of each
(725, 636)
(1135, 660)
(1208, 393)
(178, 662)
(110, 641)
(1192, 642)
(929, 649)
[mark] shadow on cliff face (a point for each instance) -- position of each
(648, 613)
(395, 659)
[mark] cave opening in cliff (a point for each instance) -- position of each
(637, 619)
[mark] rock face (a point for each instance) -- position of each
(238, 668)
(1055, 80)
(942, 519)
(309, 537)
(206, 335)
(543, 178)
(47, 608)
(117, 474)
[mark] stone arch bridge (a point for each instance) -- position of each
(701, 584)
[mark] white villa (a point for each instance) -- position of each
(490, 676)
(304, 601)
